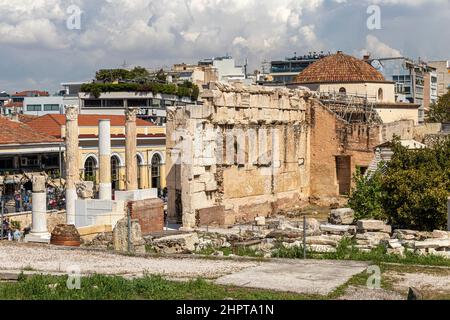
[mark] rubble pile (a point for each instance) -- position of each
(268, 234)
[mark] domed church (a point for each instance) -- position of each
(342, 75)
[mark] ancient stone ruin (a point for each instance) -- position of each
(243, 153)
(252, 151)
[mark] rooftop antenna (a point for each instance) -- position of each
(246, 67)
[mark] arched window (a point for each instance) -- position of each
(90, 169)
(342, 91)
(115, 177)
(156, 171)
(380, 94)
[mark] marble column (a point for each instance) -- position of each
(104, 143)
(131, 149)
(39, 232)
(72, 166)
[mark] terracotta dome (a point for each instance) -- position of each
(339, 68)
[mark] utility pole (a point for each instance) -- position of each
(3, 206)
(304, 237)
(129, 227)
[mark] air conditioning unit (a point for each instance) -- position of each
(23, 162)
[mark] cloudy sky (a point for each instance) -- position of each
(41, 45)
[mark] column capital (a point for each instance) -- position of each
(131, 114)
(71, 113)
(38, 183)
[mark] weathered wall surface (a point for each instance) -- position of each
(149, 213)
(403, 129)
(422, 131)
(332, 138)
(244, 153)
(25, 219)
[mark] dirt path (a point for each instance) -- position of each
(320, 277)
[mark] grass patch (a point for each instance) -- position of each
(28, 268)
(237, 251)
(346, 250)
(99, 287)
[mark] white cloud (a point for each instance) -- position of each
(161, 32)
(379, 49)
(39, 32)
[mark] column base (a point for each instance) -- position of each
(136, 195)
(38, 238)
(105, 191)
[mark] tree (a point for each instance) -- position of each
(161, 76)
(412, 192)
(112, 75)
(440, 111)
(139, 74)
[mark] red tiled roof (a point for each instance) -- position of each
(13, 105)
(339, 68)
(51, 123)
(29, 93)
(25, 118)
(19, 133)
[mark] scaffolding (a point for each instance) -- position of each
(351, 108)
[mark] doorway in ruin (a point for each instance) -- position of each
(344, 174)
(178, 207)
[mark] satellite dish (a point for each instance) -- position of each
(377, 65)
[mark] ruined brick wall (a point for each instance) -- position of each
(403, 129)
(244, 153)
(332, 137)
(149, 213)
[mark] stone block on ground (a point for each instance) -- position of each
(404, 234)
(338, 229)
(433, 244)
(120, 237)
(312, 225)
(324, 240)
(342, 216)
(373, 225)
(260, 221)
(373, 238)
(182, 243)
(321, 248)
(439, 234)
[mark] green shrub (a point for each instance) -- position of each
(96, 89)
(366, 197)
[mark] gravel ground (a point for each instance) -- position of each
(51, 259)
(361, 293)
(421, 281)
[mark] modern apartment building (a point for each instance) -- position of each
(415, 82)
(152, 107)
(39, 106)
(226, 67)
(285, 71)
(443, 76)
